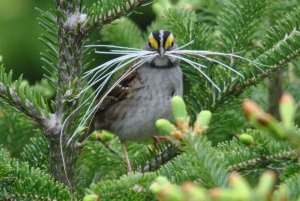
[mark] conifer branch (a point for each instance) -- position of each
(28, 109)
(71, 34)
(101, 12)
(200, 161)
(27, 101)
(43, 118)
(293, 186)
(158, 160)
(263, 160)
(19, 181)
(279, 63)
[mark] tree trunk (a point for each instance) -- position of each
(275, 93)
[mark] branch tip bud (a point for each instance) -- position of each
(287, 109)
(165, 126)
(250, 108)
(179, 109)
(246, 139)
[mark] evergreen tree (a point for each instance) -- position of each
(215, 143)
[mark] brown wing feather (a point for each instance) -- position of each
(119, 92)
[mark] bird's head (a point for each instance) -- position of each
(162, 41)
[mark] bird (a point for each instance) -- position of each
(132, 107)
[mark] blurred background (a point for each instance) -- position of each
(19, 32)
(19, 45)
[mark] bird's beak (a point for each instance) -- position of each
(161, 52)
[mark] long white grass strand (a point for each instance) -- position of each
(103, 68)
(114, 46)
(187, 44)
(116, 60)
(94, 80)
(130, 55)
(184, 59)
(206, 52)
(198, 69)
(90, 111)
(210, 59)
(105, 95)
(222, 64)
(134, 55)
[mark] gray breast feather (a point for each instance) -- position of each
(134, 118)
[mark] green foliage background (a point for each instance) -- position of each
(265, 30)
(19, 33)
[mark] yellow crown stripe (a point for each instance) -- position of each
(153, 42)
(169, 41)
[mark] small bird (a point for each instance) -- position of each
(132, 107)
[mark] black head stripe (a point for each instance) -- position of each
(165, 37)
(156, 37)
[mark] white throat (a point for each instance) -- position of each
(161, 61)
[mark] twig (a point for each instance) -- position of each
(71, 34)
(100, 22)
(263, 160)
(157, 161)
(239, 87)
(37, 114)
